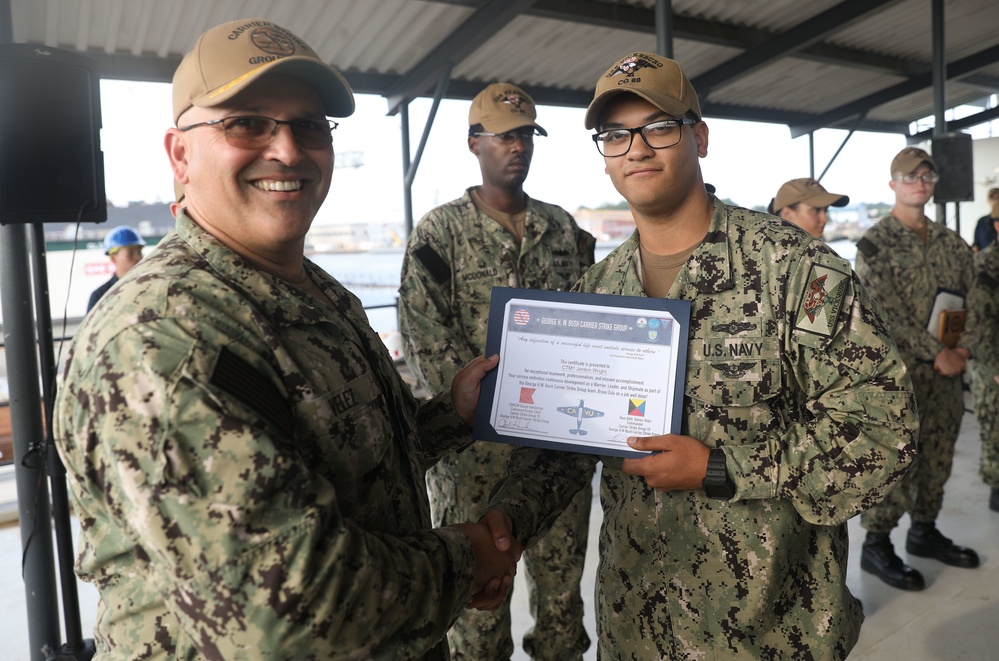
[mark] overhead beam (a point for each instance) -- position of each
(485, 22)
(988, 84)
(125, 66)
(638, 19)
(789, 117)
(792, 40)
(914, 84)
(957, 124)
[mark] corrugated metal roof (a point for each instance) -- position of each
(859, 58)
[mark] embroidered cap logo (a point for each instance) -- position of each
(273, 41)
(629, 66)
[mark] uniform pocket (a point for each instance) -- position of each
(733, 400)
(347, 429)
(737, 382)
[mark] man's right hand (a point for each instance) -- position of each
(494, 567)
(501, 528)
(466, 386)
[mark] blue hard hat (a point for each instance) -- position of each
(120, 237)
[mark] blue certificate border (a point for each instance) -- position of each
(483, 429)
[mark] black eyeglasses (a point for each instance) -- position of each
(657, 135)
(526, 136)
(254, 132)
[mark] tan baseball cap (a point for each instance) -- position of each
(907, 160)
(810, 192)
(502, 107)
(658, 80)
(227, 58)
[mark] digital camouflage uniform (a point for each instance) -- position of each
(790, 369)
(248, 470)
(903, 274)
(455, 256)
(984, 302)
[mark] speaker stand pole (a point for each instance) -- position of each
(26, 423)
(76, 648)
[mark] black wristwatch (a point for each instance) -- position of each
(717, 483)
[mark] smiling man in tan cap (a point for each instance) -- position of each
(804, 202)
(495, 235)
(246, 461)
(907, 261)
(729, 540)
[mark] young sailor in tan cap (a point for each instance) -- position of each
(729, 539)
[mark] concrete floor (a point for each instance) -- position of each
(956, 617)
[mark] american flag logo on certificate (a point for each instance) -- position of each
(521, 317)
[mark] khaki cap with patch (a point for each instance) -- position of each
(502, 107)
(231, 56)
(910, 158)
(658, 80)
(810, 192)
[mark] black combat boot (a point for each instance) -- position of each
(994, 500)
(878, 557)
(926, 541)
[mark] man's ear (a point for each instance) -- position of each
(701, 136)
(473, 144)
(175, 142)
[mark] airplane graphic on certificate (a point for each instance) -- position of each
(614, 364)
(580, 412)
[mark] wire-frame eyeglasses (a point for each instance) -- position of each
(255, 132)
(525, 134)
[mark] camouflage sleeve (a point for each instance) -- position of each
(973, 328)
(878, 273)
(538, 486)
(433, 342)
(245, 543)
(856, 435)
(983, 309)
(441, 429)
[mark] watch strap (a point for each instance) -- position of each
(717, 483)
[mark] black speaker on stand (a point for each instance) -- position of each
(51, 165)
(952, 153)
(51, 170)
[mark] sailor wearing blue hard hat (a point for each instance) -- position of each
(123, 245)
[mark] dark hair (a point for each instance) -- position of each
(776, 212)
(475, 128)
(993, 192)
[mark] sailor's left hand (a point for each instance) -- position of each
(679, 463)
